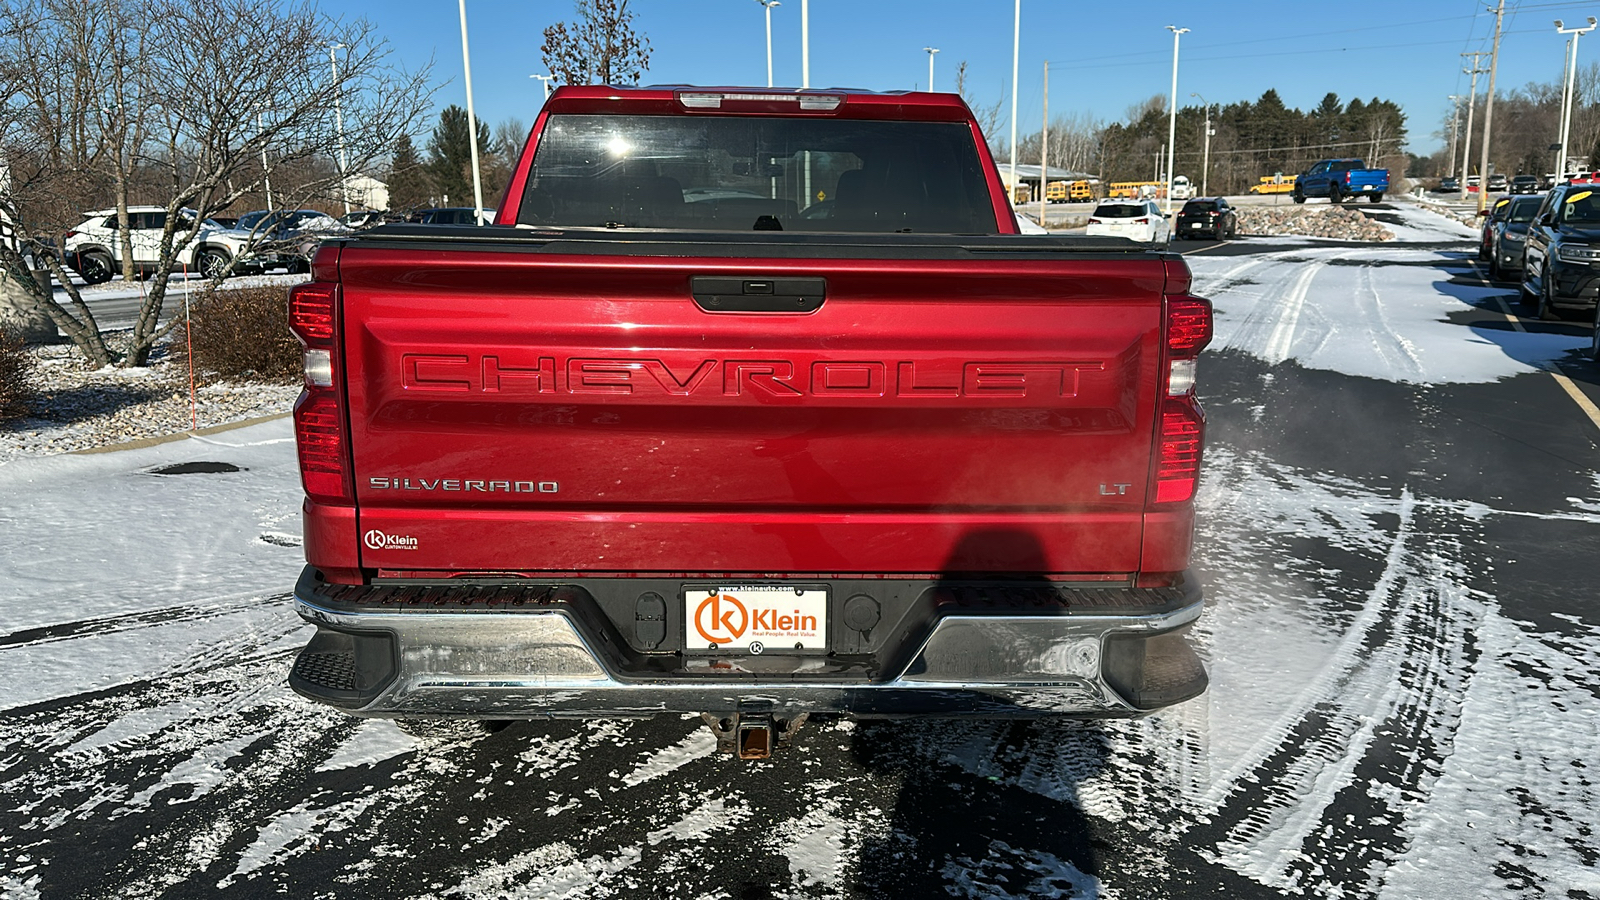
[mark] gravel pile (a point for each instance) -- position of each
(80, 409)
(1311, 221)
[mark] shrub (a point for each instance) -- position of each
(241, 333)
(16, 391)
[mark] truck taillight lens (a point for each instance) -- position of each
(1186, 331)
(1188, 326)
(319, 428)
(1178, 461)
(311, 309)
(319, 434)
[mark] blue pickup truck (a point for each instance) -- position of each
(1341, 179)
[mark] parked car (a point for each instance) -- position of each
(1525, 184)
(1508, 235)
(1140, 220)
(1491, 214)
(1339, 179)
(1498, 183)
(449, 215)
(364, 218)
(287, 237)
(1207, 217)
(93, 247)
(1561, 262)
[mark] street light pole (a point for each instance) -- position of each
(931, 52)
(545, 80)
(338, 122)
(1016, 48)
(1205, 159)
(1172, 114)
(805, 49)
(266, 174)
(472, 122)
(1566, 93)
(769, 4)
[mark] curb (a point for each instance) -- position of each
(182, 435)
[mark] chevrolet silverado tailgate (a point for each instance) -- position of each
(560, 406)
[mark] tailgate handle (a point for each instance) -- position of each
(719, 293)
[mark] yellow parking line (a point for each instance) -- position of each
(1578, 397)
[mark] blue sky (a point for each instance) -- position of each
(1103, 57)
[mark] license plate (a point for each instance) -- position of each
(756, 618)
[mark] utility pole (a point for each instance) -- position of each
(1044, 150)
(931, 52)
(1455, 119)
(546, 79)
(1466, 138)
(1488, 107)
(1205, 157)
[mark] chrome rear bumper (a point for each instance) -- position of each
(537, 663)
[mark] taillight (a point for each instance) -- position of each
(319, 415)
(72, 234)
(1188, 326)
(1144, 221)
(1186, 330)
(1178, 460)
(1094, 221)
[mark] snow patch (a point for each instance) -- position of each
(700, 742)
(374, 741)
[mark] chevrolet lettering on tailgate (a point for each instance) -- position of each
(528, 374)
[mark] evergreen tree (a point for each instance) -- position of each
(409, 184)
(450, 156)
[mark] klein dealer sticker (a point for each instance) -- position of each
(757, 617)
(1581, 195)
(377, 540)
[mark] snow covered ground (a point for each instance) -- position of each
(1386, 718)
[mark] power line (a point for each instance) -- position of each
(1296, 52)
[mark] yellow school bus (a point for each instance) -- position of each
(1056, 192)
(1137, 189)
(1274, 184)
(1080, 192)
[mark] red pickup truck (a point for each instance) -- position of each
(753, 404)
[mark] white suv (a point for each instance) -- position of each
(95, 252)
(1140, 220)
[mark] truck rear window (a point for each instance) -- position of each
(741, 173)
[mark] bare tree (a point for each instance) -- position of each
(224, 82)
(600, 47)
(987, 114)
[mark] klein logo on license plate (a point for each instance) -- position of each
(756, 618)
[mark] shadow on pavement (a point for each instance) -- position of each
(984, 807)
